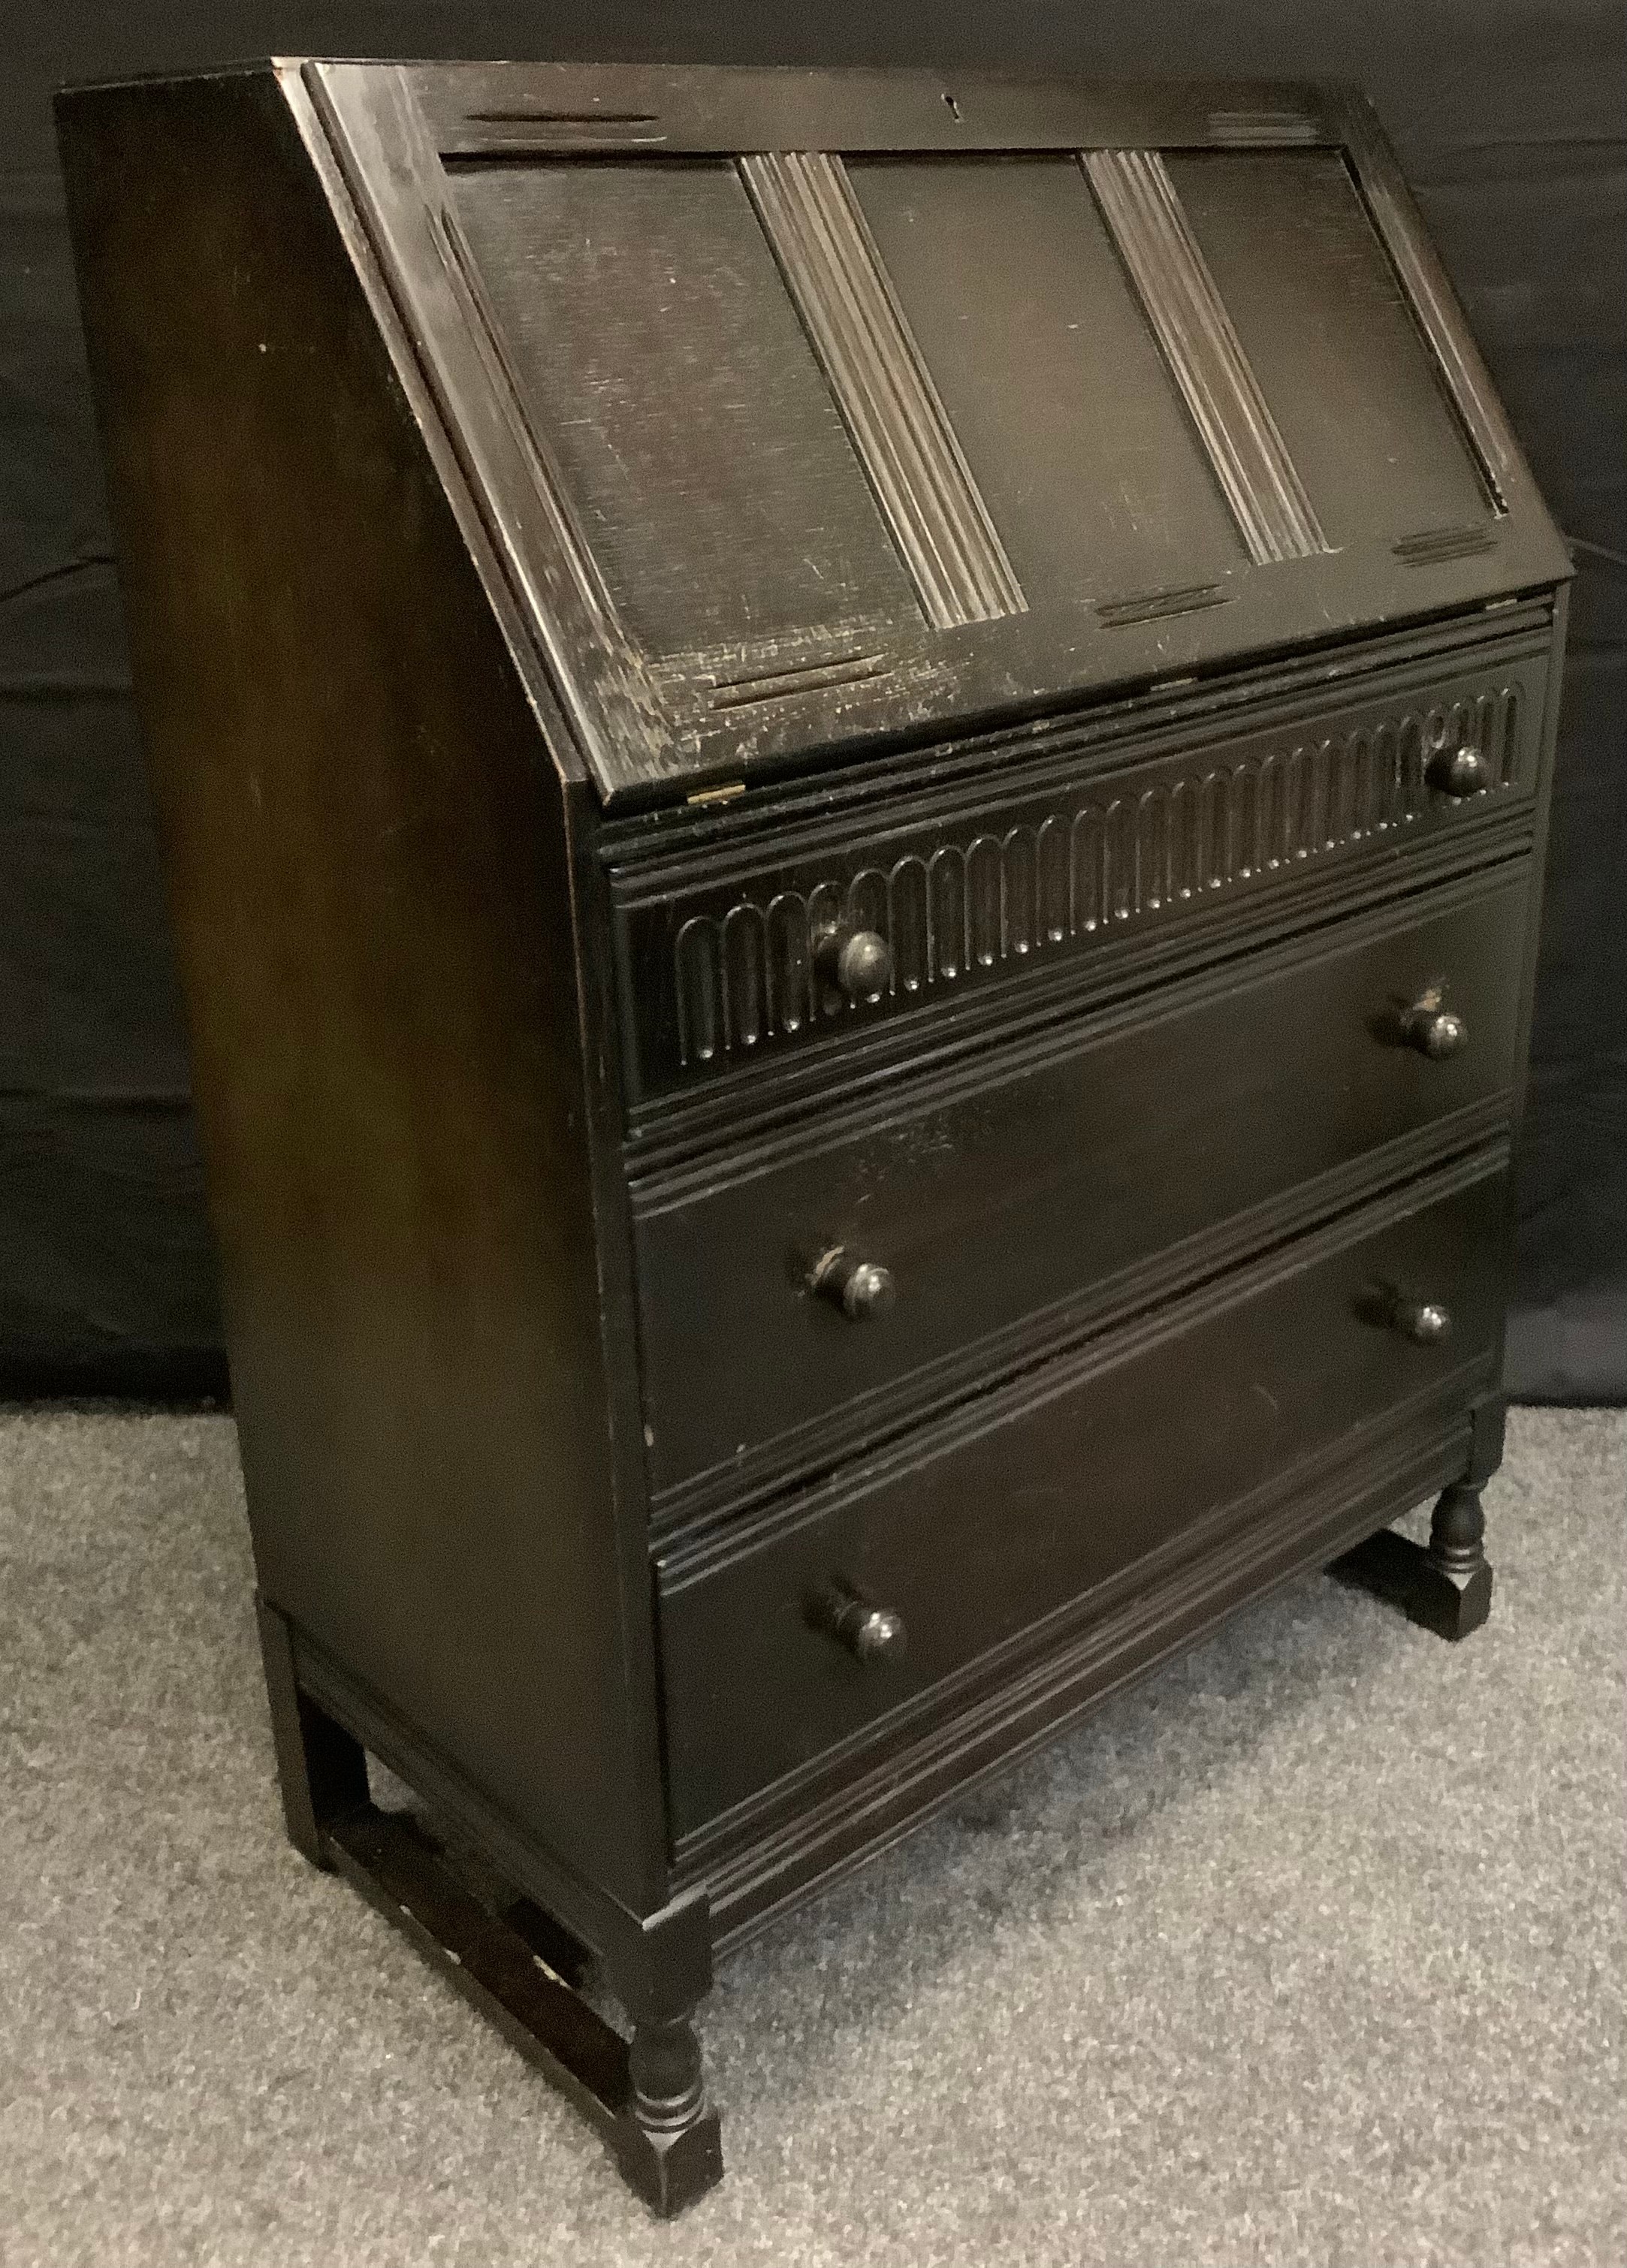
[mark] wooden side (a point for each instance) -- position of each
(371, 887)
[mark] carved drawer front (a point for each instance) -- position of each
(853, 1604)
(861, 1268)
(807, 944)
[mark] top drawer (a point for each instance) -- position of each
(734, 956)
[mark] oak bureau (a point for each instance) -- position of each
(853, 770)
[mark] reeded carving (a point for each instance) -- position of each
(910, 926)
(946, 953)
(984, 875)
(901, 432)
(1145, 219)
(1003, 900)
(702, 1004)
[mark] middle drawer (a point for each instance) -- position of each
(1002, 1208)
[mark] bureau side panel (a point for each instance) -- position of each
(370, 884)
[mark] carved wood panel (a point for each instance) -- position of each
(842, 431)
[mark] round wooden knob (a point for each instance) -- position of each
(1425, 1322)
(1459, 772)
(861, 1288)
(857, 961)
(868, 1632)
(1435, 1031)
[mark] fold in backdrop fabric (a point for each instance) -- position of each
(1508, 119)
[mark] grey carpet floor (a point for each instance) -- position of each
(1309, 1950)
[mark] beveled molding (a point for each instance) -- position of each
(807, 1830)
(528, 109)
(376, 133)
(1395, 215)
(654, 853)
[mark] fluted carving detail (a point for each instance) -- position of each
(1102, 864)
(900, 429)
(1188, 318)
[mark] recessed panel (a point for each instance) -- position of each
(1347, 374)
(1049, 374)
(663, 368)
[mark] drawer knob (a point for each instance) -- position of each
(861, 1288)
(868, 1632)
(1425, 1322)
(1459, 772)
(1434, 1031)
(857, 961)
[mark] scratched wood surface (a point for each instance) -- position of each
(1023, 1190)
(1093, 475)
(1127, 1451)
(656, 348)
(750, 1309)
(1363, 412)
(844, 417)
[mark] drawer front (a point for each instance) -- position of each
(1056, 1490)
(738, 963)
(1002, 1212)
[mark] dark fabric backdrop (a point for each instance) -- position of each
(1508, 117)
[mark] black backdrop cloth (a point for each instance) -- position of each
(1508, 118)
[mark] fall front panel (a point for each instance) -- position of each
(661, 363)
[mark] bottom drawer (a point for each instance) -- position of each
(893, 1577)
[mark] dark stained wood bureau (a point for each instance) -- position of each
(853, 770)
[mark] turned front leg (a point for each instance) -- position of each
(669, 2146)
(664, 2063)
(1457, 1534)
(1455, 1595)
(1444, 1585)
